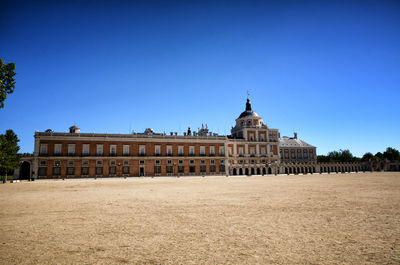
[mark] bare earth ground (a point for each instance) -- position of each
(312, 219)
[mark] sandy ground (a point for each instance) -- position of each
(312, 219)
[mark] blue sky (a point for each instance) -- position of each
(329, 70)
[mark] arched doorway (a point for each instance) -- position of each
(252, 171)
(25, 170)
(269, 171)
(240, 171)
(246, 171)
(264, 171)
(258, 171)
(234, 172)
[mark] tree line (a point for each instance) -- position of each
(390, 154)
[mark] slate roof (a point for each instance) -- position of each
(292, 142)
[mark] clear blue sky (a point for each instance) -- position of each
(329, 70)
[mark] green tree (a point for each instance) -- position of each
(9, 157)
(379, 155)
(7, 82)
(367, 156)
(391, 154)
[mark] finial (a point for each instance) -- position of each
(248, 94)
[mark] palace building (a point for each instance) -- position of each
(253, 148)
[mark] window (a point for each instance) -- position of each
(70, 171)
(142, 150)
(212, 162)
(240, 151)
(157, 169)
(169, 169)
(180, 162)
(70, 163)
(42, 171)
(112, 170)
(202, 169)
(251, 137)
(141, 162)
(85, 163)
(57, 149)
(222, 166)
(180, 150)
(212, 168)
(252, 151)
(202, 150)
(99, 150)
(202, 162)
(262, 150)
(125, 150)
(71, 149)
(99, 170)
(56, 168)
(157, 150)
(113, 150)
(113, 162)
(212, 150)
(125, 163)
(85, 149)
(221, 151)
(192, 169)
(125, 169)
(169, 150)
(262, 137)
(43, 163)
(43, 149)
(84, 170)
(311, 154)
(191, 150)
(99, 163)
(181, 169)
(191, 161)
(157, 162)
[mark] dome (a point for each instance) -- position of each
(248, 112)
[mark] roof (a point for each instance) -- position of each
(292, 142)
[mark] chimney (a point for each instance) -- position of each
(295, 135)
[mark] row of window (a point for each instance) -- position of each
(125, 150)
(252, 150)
(85, 163)
(56, 171)
(298, 154)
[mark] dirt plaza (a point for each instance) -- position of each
(286, 219)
